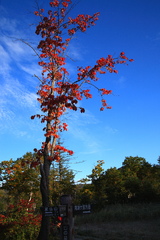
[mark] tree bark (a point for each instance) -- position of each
(44, 187)
(44, 230)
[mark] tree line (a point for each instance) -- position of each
(136, 181)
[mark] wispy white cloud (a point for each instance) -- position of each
(82, 128)
(15, 47)
(82, 119)
(4, 61)
(121, 80)
(110, 130)
(18, 88)
(17, 50)
(8, 25)
(5, 114)
(85, 130)
(74, 52)
(31, 69)
(16, 105)
(14, 92)
(155, 37)
(88, 140)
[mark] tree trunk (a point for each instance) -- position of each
(44, 230)
(44, 187)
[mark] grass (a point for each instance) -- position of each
(120, 222)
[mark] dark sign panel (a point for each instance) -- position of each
(55, 211)
(62, 210)
(48, 212)
(86, 208)
(51, 211)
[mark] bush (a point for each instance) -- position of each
(20, 222)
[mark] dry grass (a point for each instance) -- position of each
(144, 226)
(134, 230)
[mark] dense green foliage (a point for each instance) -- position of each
(136, 181)
(19, 179)
(61, 180)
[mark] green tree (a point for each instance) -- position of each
(131, 166)
(84, 194)
(133, 186)
(141, 179)
(150, 185)
(3, 200)
(19, 179)
(97, 184)
(96, 171)
(61, 181)
(114, 186)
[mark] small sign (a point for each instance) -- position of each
(51, 211)
(86, 208)
(48, 212)
(55, 211)
(62, 210)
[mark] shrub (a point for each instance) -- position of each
(20, 222)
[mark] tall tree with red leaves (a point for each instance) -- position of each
(57, 93)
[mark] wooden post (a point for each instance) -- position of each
(67, 220)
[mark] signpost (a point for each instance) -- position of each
(51, 211)
(66, 211)
(65, 232)
(82, 209)
(68, 220)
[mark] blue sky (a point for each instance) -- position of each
(131, 128)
